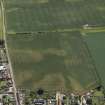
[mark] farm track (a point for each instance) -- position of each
(81, 30)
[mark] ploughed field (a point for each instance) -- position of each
(52, 61)
(42, 53)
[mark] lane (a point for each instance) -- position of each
(4, 37)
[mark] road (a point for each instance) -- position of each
(4, 37)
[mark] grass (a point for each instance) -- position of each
(52, 61)
(2, 83)
(29, 16)
(96, 44)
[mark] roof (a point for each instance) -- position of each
(2, 68)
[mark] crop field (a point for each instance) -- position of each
(42, 15)
(52, 61)
(96, 45)
(0, 25)
(44, 55)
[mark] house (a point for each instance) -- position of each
(1, 103)
(2, 68)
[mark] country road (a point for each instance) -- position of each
(4, 37)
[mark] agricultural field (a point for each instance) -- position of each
(41, 15)
(52, 61)
(1, 28)
(45, 50)
(96, 45)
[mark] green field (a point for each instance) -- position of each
(45, 50)
(1, 28)
(96, 44)
(53, 61)
(42, 15)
